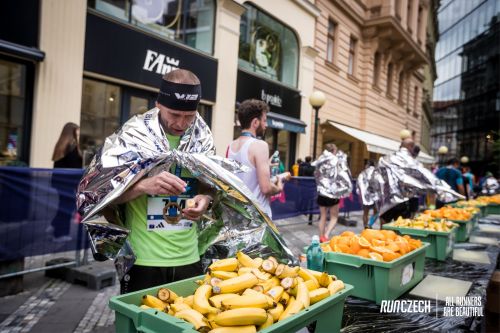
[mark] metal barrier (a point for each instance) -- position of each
(38, 219)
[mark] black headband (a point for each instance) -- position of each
(179, 96)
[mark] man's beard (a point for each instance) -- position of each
(260, 132)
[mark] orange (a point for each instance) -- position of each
(393, 247)
(378, 242)
(344, 240)
(390, 256)
(363, 242)
(379, 249)
(370, 234)
(389, 234)
(344, 248)
(326, 248)
(347, 233)
(375, 256)
(334, 241)
(354, 244)
(364, 253)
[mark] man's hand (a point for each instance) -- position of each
(164, 183)
(201, 202)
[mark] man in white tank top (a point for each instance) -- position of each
(254, 153)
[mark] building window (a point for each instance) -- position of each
(401, 87)
(415, 101)
(14, 98)
(268, 47)
(190, 22)
(376, 68)
(419, 23)
(389, 79)
(351, 66)
(330, 43)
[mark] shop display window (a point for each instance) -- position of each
(268, 47)
(190, 22)
(12, 111)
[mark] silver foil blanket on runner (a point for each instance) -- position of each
(397, 178)
(139, 149)
(333, 177)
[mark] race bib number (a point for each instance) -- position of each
(165, 212)
(407, 274)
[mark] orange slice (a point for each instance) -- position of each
(378, 242)
(363, 242)
(347, 233)
(375, 256)
(364, 253)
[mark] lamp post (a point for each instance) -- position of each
(317, 99)
(443, 150)
(404, 134)
(464, 159)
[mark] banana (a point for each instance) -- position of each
(267, 285)
(318, 295)
(276, 292)
(241, 317)
(269, 266)
(250, 291)
(226, 265)
(206, 280)
(276, 311)
(235, 329)
(325, 279)
(303, 295)
(217, 299)
(223, 275)
(283, 271)
(154, 302)
(293, 307)
(269, 321)
(262, 276)
(145, 307)
(307, 276)
(215, 281)
(176, 307)
(167, 295)
(200, 302)
(179, 300)
(236, 284)
(210, 318)
(256, 300)
(189, 300)
(258, 261)
(246, 261)
(335, 286)
(311, 285)
(285, 298)
(244, 270)
(273, 259)
(289, 282)
(171, 312)
(194, 317)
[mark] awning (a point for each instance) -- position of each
(378, 144)
(279, 121)
(21, 51)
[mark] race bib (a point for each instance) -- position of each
(165, 212)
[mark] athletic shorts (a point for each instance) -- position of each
(327, 202)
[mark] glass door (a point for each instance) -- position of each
(136, 102)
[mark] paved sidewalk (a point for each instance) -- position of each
(50, 305)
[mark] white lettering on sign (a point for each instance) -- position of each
(159, 63)
(274, 100)
(277, 124)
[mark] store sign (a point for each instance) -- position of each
(121, 52)
(277, 124)
(281, 99)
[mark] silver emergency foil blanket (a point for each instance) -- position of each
(399, 177)
(140, 149)
(333, 177)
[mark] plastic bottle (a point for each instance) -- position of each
(275, 163)
(315, 255)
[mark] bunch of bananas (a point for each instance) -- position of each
(246, 295)
(426, 222)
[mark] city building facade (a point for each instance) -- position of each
(467, 90)
(371, 61)
(99, 62)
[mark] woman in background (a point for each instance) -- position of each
(66, 154)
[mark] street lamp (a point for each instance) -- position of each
(464, 159)
(443, 150)
(317, 99)
(404, 134)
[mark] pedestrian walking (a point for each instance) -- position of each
(295, 167)
(254, 153)
(367, 201)
(451, 175)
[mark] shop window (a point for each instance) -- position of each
(190, 22)
(268, 47)
(13, 100)
(330, 45)
(100, 115)
(351, 66)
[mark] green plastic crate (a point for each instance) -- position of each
(493, 209)
(129, 318)
(440, 242)
(377, 280)
(464, 229)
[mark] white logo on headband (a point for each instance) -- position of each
(186, 97)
